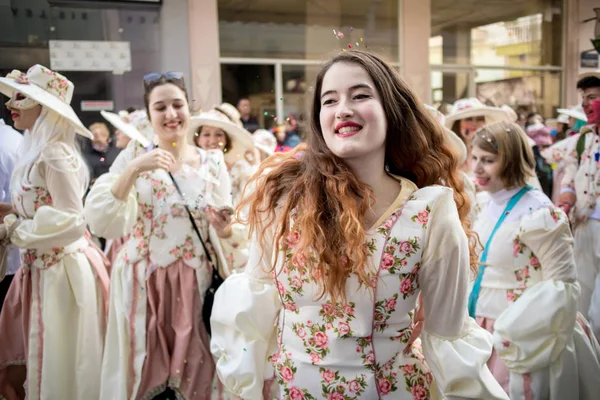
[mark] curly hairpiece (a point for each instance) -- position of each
(329, 203)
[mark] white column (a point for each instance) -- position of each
(204, 53)
(414, 30)
(175, 39)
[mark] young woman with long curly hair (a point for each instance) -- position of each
(347, 232)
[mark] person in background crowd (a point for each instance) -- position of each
(245, 108)
(537, 130)
(292, 137)
(101, 152)
(280, 135)
(121, 139)
(577, 118)
(467, 116)
(562, 127)
(580, 197)
(10, 140)
(534, 118)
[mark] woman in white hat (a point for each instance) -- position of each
(217, 130)
(576, 116)
(53, 318)
(470, 114)
(220, 129)
(175, 201)
(460, 150)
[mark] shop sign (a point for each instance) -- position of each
(97, 105)
(82, 55)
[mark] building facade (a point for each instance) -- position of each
(523, 53)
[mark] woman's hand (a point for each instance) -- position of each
(155, 159)
(220, 220)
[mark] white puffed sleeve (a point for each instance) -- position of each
(455, 347)
(534, 330)
(107, 216)
(243, 324)
(61, 223)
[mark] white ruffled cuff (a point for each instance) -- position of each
(243, 333)
(533, 331)
(107, 216)
(50, 227)
(459, 365)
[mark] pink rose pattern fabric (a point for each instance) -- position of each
(528, 269)
(313, 340)
(162, 217)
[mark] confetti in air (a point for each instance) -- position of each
(340, 35)
(101, 159)
(266, 113)
(174, 144)
(349, 46)
(351, 29)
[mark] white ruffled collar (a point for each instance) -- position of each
(502, 197)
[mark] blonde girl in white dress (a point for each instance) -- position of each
(526, 292)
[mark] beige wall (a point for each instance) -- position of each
(415, 30)
(205, 66)
(576, 40)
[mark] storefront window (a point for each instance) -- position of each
(301, 29)
(466, 46)
(28, 26)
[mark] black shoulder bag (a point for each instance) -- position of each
(217, 280)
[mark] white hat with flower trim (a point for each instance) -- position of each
(135, 125)
(41, 85)
(241, 139)
(231, 112)
(457, 143)
(575, 112)
(472, 107)
(265, 141)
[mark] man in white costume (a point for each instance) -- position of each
(580, 197)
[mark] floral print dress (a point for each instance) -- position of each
(269, 322)
(156, 337)
(530, 280)
(53, 318)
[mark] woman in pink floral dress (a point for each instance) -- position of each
(156, 344)
(53, 320)
(527, 293)
(347, 232)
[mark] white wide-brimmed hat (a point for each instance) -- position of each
(241, 139)
(231, 112)
(575, 112)
(265, 140)
(472, 107)
(590, 74)
(457, 143)
(51, 89)
(135, 125)
(510, 112)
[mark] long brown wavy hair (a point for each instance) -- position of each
(325, 200)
